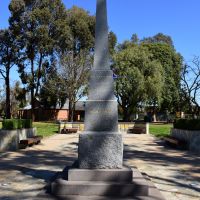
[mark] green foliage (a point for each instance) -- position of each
(13, 124)
(46, 31)
(171, 63)
(82, 28)
(41, 29)
(52, 92)
(140, 79)
(159, 38)
(8, 56)
(10, 124)
(149, 72)
(147, 118)
(112, 38)
(187, 124)
(19, 94)
(68, 77)
(26, 123)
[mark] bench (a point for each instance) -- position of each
(174, 142)
(30, 141)
(139, 128)
(69, 130)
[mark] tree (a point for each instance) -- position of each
(161, 49)
(190, 85)
(112, 39)
(171, 62)
(73, 72)
(82, 28)
(67, 79)
(17, 100)
(53, 92)
(140, 79)
(76, 62)
(8, 56)
(135, 39)
(159, 38)
(19, 94)
(2, 103)
(40, 28)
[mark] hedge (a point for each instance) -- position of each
(13, 124)
(187, 124)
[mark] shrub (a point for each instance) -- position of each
(187, 124)
(13, 124)
(27, 123)
(9, 124)
(147, 118)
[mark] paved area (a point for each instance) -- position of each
(175, 173)
(23, 174)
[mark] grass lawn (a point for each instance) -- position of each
(46, 129)
(43, 128)
(160, 130)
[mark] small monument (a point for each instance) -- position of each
(100, 173)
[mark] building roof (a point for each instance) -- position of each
(80, 106)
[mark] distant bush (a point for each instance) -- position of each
(187, 124)
(27, 123)
(10, 124)
(13, 124)
(147, 118)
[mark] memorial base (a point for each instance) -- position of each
(103, 184)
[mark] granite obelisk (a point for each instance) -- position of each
(100, 174)
(100, 146)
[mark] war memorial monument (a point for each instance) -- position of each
(99, 173)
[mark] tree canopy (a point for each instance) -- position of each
(164, 63)
(171, 62)
(53, 48)
(140, 79)
(40, 28)
(8, 57)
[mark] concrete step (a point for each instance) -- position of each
(111, 175)
(90, 188)
(78, 197)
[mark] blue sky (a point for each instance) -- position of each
(178, 18)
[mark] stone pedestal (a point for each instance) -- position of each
(100, 150)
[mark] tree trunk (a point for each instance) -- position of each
(74, 112)
(32, 105)
(70, 117)
(32, 93)
(7, 83)
(38, 75)
(154, 119)
(126, 114)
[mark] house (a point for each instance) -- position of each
(53, 113)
